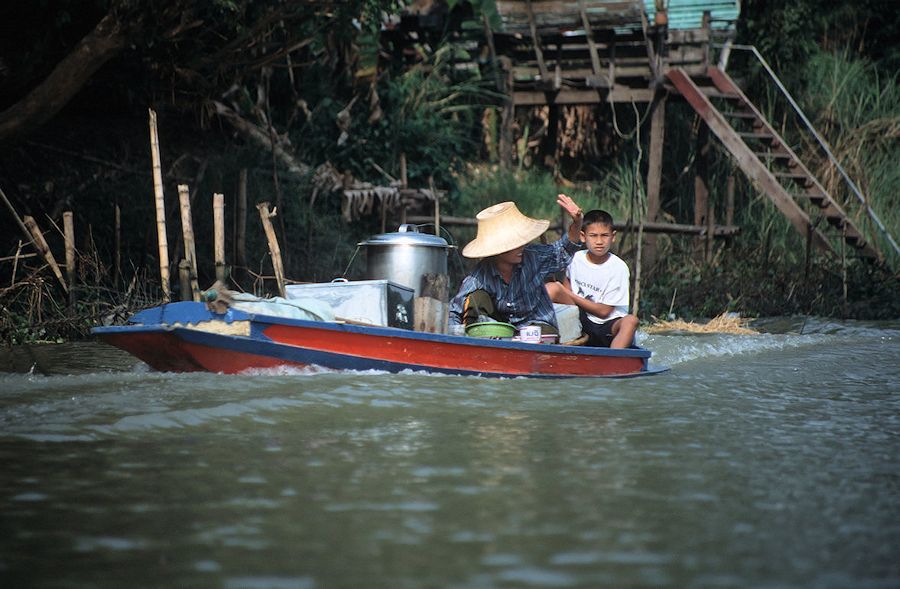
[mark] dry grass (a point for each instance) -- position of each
(724, 323)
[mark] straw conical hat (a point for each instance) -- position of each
(502, 228)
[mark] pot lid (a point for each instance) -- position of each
(406, 235)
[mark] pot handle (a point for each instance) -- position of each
(408, 228)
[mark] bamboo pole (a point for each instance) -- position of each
(12, 279)
(37, 238)
(187, 229)
(160, 209)
(17, 256)
(219, 234)
(69, 230)
(184, 280)
(266, 218)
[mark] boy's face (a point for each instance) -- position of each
(598, 237)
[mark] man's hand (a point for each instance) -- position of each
(569, 205)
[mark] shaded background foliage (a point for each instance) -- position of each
(304, 72)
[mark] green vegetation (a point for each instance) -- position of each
(338, 97)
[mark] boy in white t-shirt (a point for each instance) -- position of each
(597, 282)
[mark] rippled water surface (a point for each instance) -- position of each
(757, 461)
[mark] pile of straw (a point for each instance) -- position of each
(724, 323)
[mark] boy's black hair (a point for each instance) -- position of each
(597, 216)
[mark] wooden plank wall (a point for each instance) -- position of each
(560, 67)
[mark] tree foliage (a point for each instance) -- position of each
(281, 86)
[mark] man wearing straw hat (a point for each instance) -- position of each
(508, 283)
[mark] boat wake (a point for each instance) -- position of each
(288, 371)
(670, 350)
(778, 334)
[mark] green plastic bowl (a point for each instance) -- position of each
(490, 329)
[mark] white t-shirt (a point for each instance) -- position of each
(605, 283)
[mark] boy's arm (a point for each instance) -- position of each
(596, 309)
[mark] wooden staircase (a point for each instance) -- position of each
(764, 156)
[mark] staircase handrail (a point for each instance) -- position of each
(822, 143)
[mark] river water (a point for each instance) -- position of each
(757, 461)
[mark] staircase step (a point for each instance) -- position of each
(798, 178)
(711, 92)
(772, 155)
(817, 198)
(767, 137)
(764, 156)
(738, 114)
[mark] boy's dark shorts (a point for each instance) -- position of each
(599, 335)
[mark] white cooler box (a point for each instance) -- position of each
(376, 302)
(569, 322)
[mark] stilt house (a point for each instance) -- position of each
(556, 53)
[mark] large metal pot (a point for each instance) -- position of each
(405, 257)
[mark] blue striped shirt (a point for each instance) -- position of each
(524, 299)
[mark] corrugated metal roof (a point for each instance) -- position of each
(688, 14)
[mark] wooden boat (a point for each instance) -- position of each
(189, 337)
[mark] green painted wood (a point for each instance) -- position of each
(688, 14)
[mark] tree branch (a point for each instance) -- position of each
(261, 137)
(103, 43)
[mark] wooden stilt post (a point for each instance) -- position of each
(37, 238)
(187, 230)
(437, 215)
(117, 267)
(654, 169)
(507, 115)
(219, 234)
(729, 200)
(404, 184)
(240, 224)
(710, 229)
(701, 179)
(809, 245)
(266, 218)
(160, 209)
(437, 206)
(636, 299)
(844, 264)
(69, 231)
